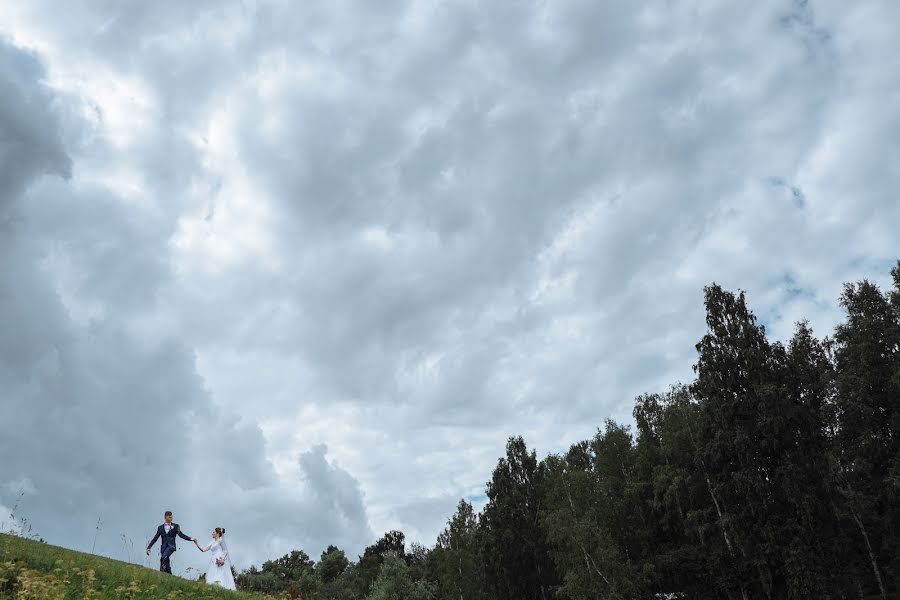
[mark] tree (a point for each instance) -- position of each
(290, 566)
(867, 363)
(294, 572)
(735, 374)
(595, 519)
(417, 559)
(391, 543)
(518, 565)
(455, 560)
(762, 448)
(332, 564)
(395, 583)
(809, 526)
(690, 555)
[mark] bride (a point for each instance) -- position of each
(219, 570)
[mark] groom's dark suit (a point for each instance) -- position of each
(167, 546)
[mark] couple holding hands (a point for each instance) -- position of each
(219, 570)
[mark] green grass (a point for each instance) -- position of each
(31, 569)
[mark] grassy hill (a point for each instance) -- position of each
(30, 569)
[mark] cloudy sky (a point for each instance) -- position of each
(299, 269)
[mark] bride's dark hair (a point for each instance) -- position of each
(220, 531)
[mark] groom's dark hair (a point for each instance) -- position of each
(168, 513)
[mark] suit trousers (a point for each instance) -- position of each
(164, 560)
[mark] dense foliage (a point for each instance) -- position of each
(774, 474)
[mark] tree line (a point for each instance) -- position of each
(774, 474)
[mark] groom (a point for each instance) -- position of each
(167, 531)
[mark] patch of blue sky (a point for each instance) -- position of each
(797, 195)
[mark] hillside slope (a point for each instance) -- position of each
(30, 569)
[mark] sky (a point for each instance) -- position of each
(299, 270)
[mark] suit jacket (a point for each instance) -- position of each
(167, 546)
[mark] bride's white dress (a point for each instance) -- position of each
(215, 574)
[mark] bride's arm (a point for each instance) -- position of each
(224, 549)
(199, 547)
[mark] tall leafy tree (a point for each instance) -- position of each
(456, 561)
(809, 532)
(731, 369)
(596, 519)
(867, 360)
(690, 553)
(518, 565)
(763, 447)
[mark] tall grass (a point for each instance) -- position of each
(30, 569)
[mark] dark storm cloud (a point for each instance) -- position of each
(96, 422)
(28, 125)
(336, 494)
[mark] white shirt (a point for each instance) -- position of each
(167, 527)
